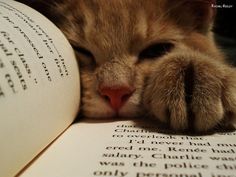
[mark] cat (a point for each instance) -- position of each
(148, 58)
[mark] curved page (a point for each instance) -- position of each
(39, 85)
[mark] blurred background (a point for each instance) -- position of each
(225, 29)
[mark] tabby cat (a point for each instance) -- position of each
(152, 58)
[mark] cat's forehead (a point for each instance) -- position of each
(119, 24)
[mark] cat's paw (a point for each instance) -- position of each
(189, 93)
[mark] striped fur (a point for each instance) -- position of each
(190, 87)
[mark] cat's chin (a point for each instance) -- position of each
(106, 112)
(130, 111)
(100, 114)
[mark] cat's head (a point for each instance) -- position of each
(117, 42)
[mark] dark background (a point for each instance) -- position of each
(225, 29)
(225, 23)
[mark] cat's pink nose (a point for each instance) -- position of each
(116, 96)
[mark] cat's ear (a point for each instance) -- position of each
(193, 14)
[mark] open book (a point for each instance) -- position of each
(39, 100)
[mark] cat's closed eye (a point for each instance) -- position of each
(83, 51)
(86, 57)
(155, 50)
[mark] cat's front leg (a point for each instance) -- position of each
(191, 92)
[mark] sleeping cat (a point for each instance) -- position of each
(152, 58)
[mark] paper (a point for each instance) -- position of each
(39, 85)
(135, 149)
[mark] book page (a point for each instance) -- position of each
(39, 85)
(135, 149)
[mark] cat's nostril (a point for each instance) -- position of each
(125, 97)
(106, 97)
(116, 96)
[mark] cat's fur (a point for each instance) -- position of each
(188, 87)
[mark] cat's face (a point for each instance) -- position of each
(117, 42)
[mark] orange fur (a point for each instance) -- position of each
(189, 87)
